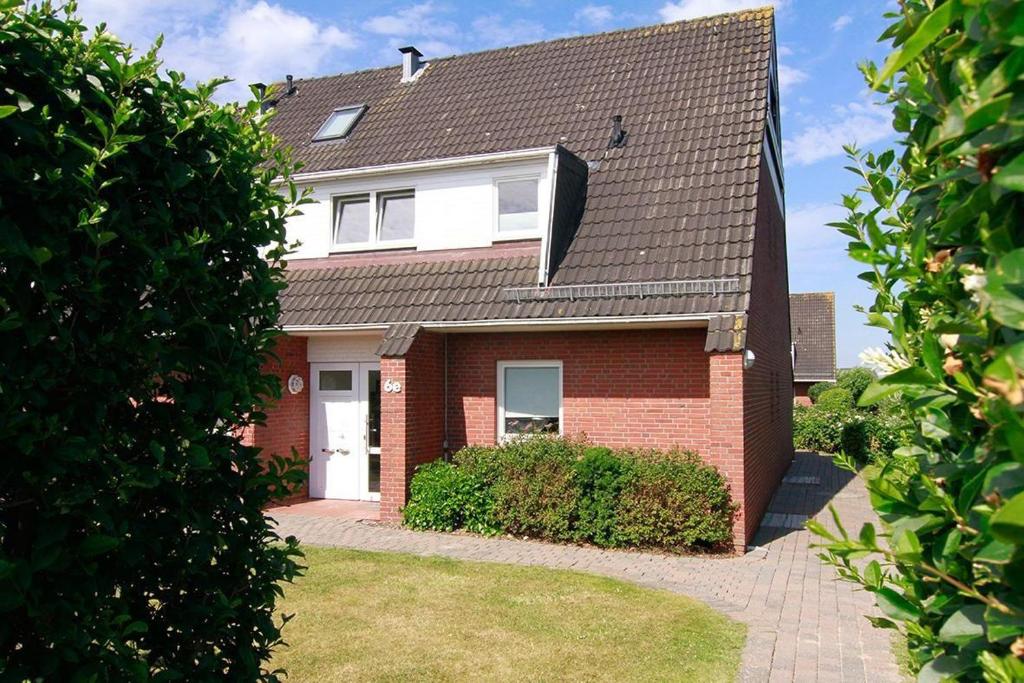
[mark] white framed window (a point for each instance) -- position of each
(396, 212)
(340, 123)
(373, 220)
(352, 219)
(517, 207)
(529, 397)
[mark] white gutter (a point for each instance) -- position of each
(518, 322)
(424, 165)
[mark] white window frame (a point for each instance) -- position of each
(373, 242)
(497, 234)
(359, 110)
(500, 399)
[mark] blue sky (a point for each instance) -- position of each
(824, 101)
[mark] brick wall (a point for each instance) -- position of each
(801, 395)
(288, 420)
(767, 387)
(620, 388)
(412, 420)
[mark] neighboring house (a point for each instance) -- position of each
(494, 251)
(812, 321)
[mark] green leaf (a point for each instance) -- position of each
(964, 625)
(926, 34)
(97, 544)
(896, 606)
(1007, 523)
(1011, 176)
(1002, 626)
(944, 668)
(6, 110)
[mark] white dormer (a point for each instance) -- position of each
(458, 203)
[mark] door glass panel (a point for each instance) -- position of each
(335, 380)
(373, 429)
(373, 409)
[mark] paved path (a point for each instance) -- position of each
(802, 624)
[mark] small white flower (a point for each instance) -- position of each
(883, 361)
(974, 281)
(949, 341)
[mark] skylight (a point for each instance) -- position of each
(339, 124)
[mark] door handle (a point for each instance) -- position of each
(330, 451)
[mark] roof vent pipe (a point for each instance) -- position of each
(411, 64)
(619, 136)
(290, 90)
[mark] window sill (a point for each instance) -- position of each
(516, 236)
(371, 246)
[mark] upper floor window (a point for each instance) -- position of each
(395, 211)
(374, 219)
(340, 123)
(517, 205)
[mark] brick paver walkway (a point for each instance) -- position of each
(802, 624)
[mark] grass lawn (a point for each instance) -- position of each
(389, 617)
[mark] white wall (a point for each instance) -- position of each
(455, 208)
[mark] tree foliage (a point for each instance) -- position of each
(138, 297)
(940, 231)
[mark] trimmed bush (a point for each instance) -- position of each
(447, 497)
(837, 398)
(855, 380)
(564, 490)
(817, 429)
(673, 500)
(816, 390)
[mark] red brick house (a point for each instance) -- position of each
(583, 236)
(812, 320)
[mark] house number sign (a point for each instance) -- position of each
(295, 384)
(392, 386)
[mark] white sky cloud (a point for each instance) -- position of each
(790, 76)
(248, 41)
(689, 9)
(414, 20)
(494, 30)
(842, 22)
(595, 15)
(862, 123)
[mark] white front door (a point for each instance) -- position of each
(342, 418)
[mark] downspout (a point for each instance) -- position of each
(444, 406)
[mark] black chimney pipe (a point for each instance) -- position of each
(290, 90)
(261, 94)
(619, 135)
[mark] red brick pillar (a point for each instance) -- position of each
(287, 424)
(412, 418)
(726, 430)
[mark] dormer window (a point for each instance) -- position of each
(517, 206)
(374, 220)
(340, 123)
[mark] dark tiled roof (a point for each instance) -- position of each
(726, 333)
(678, 202)
(449, 291)
(812, 320)
(397, 340)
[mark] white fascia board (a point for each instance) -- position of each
(545, 244)
(424, 165)
(639, 321)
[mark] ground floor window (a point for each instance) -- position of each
(529, 397)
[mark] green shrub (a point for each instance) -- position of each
(673, 501)
(836, 399)
(816, 390)
(446, 497)
(562, 490)
(817, 429)
(855, 380)
(139, 274)
(940, 233)
(599, 475)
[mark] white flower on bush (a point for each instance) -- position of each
(974, 281)
(883, 361)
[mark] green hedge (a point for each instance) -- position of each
(563, 490)
(833, 426)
